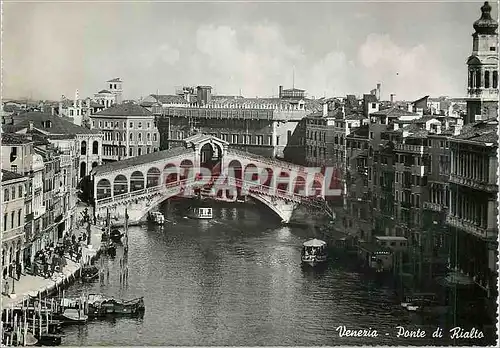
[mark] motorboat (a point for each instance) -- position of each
(314, 252)
(418, 297)
(116, 235)
(73, 316)
(201, 213)
(89, 273)
(157, 217)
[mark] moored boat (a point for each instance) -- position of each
(201, 213)
(89, 273)
(314, 252)
(100, 306)
(156, 217)
(73, 316)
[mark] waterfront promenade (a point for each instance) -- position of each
(30, 285)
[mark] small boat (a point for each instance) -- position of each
(100, 306)
(73, 316)
(416, 297)
(31, 340)
(50, 339)
(314, 252)
(157, 217)
(89, 273)
(116, 235)
(424, 305)
(201, 213)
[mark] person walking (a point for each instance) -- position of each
(18, 270)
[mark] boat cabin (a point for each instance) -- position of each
(314, 247)
(203, 213)
(375, 256)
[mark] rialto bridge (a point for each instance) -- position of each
(206, 164)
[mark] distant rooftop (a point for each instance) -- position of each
(51, 124)
(7, 175)
(129, 109)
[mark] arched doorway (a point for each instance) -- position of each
(83, 170)
(103, 189)
(136, 181)
(300, 186)
(283, 182)
(153, 177)
(235, 172)
(251, 173)
(210, 157)
(120, 185)
(170, 173)
(186, 169)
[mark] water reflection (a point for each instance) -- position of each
(238, 280)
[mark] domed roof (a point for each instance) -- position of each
(485, 24)
(37, 162)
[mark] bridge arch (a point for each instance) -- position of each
(103, 189)
(235, 170)
(283, 180)
(267, 177)
(251, 172)
(170, 173)
(136, 181)
(120, 185)
(186, 169)
(299, 186)
(153, 177)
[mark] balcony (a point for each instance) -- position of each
(13, 234)
(39, 212)
(473, 183)
(416, 149)
(433, 206)
(471, 228)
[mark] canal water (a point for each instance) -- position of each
(237, 280)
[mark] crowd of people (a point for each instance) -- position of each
(52, 258)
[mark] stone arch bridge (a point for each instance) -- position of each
(206, 165)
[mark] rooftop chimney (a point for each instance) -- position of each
(392, 97)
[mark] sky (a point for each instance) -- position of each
(329, 49)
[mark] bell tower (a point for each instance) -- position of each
(482, 89)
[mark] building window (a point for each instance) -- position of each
(493, 48)
(131, 137)
(148, 150)
(148, 137)
(260, 139)
(139, 151)
(95, 147)
(130, 152)
(6, 195)
(495, 79)
(83, 148)
(154, 137)
(234, 138)
(20, 191)
(139, 125)
(13, 168)
(149, 125)
(478, 78)
(12, 219)
(131, 125)
(486, 79)
(19, 217)
(5, 217)
(277, 140)
(93, 124)
(139, 137)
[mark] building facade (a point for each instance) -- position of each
(128, 130)
(482, 91)
(264, 126)
(13, 215)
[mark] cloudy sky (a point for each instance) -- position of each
(337, 48)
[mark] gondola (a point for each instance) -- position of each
(89, 273)
(73, 316)
(49, 339)
(99, 306)
(116, 235)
